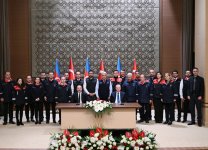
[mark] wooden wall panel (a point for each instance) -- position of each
(19, 37)
(171, 35)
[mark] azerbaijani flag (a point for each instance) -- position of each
(119, 68)
(57, 71)
(87, 68)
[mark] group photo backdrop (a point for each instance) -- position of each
(97, 29)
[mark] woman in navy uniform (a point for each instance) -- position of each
(38, 96)
(63, 94)
(157, 97)
(144, 98)
(168, 91)
(8, 102)
(19, 96)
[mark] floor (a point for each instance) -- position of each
(174, 137)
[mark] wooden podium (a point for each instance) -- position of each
(76, 116)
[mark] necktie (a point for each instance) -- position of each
(194, 86)
(118, 98)
(79, 97)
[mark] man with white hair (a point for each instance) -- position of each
(103, 88)
(130, 88)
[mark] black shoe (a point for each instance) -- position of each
(36, 122)
(39, 122)
(199, 123)
(54, 121)
(170, 123)
(165, 122)
(18, 123)
(47, 122)
(32, 120)
(21, 124)
(147, 121)
(11, 122)
(5, 123)
(140, 121)
(179, 120)
(191, 123)
(28, 120)
(184, 121)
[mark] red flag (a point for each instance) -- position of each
(71, 70)
(134, 70)
(101, 69)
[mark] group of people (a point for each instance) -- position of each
(153, 90)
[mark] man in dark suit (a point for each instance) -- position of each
(79, 96)
(118, 96)
(196, 95)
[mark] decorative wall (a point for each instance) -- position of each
(98, 29)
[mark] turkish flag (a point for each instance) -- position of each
(71, 70)
(134, 69)
(101, 70)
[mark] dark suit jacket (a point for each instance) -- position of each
(113, 97)
(199, 86)
(76, 100)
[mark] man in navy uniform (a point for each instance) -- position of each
(151, 78)
(77, 81)
(183, 94)
(29, 105)
(8, 103)
(50, 89)
(176, 83)
(63, 94)
(118, 96)
(123, 76)
(115, 80)
(103, 88)
(144, 98)
(79, 96)
(130, 89)
(90, 85)
(196, 95)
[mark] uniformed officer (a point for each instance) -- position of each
(63, 94)
(29, 103)
(130, 89)
(115, 80)
(176, 83)
(50, 93)
(144, 98)
(38, 98)
(157, 97)
(77, 81)
(8, 102)
(19, 95)
(168, 92)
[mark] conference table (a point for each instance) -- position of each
(76, 116)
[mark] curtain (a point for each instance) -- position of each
(3, 37)
(188, 34)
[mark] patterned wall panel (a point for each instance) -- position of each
(98, 29)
